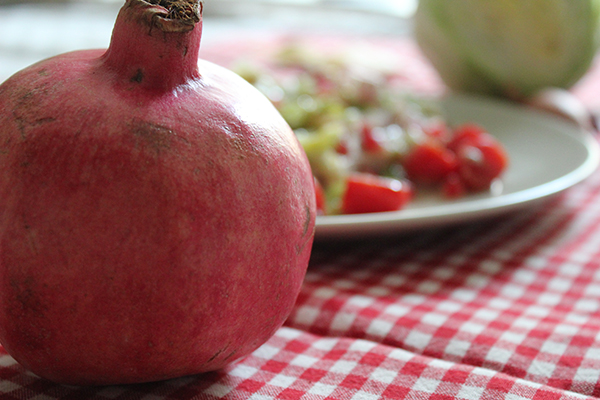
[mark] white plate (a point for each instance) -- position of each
(547, 155)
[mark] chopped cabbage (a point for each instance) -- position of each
(509, 48)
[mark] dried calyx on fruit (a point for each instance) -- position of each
(156, 211)
(186, 12)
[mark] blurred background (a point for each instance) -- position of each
(33, 30)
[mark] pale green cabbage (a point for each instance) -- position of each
(511, 48)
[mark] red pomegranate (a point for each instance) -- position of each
(156, 212)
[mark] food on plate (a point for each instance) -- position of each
(509, 48)
(371, 145)
(156, 213)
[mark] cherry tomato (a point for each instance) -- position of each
(480, 157)
(467, 134)
(453, 186)
(429, 162)
(367, 193)
(479, 164)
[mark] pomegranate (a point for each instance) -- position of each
(156, 212)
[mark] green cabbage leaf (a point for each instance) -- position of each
(509, 48)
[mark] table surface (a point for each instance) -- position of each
(502, 308)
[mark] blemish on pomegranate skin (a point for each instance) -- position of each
(307, 220)
(230, 355)
(20, 121)
(45, 120)
(158, 137)
(217, 354)
(307, 233)
(138, 77)
(32, 239)
(26, 296)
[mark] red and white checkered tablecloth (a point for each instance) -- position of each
(507, 308)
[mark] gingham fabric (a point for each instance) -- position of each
(507, 308)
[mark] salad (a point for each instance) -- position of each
(372, 145)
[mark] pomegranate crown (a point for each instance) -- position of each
(172, 15)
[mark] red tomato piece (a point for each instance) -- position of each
(367, 193)
(438, 130)
(320, 195)
(429, 162)
(342, 148)
(479, 164)
(368, 141)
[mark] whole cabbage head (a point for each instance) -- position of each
(509, 48)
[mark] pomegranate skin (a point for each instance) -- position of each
(149, 228)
